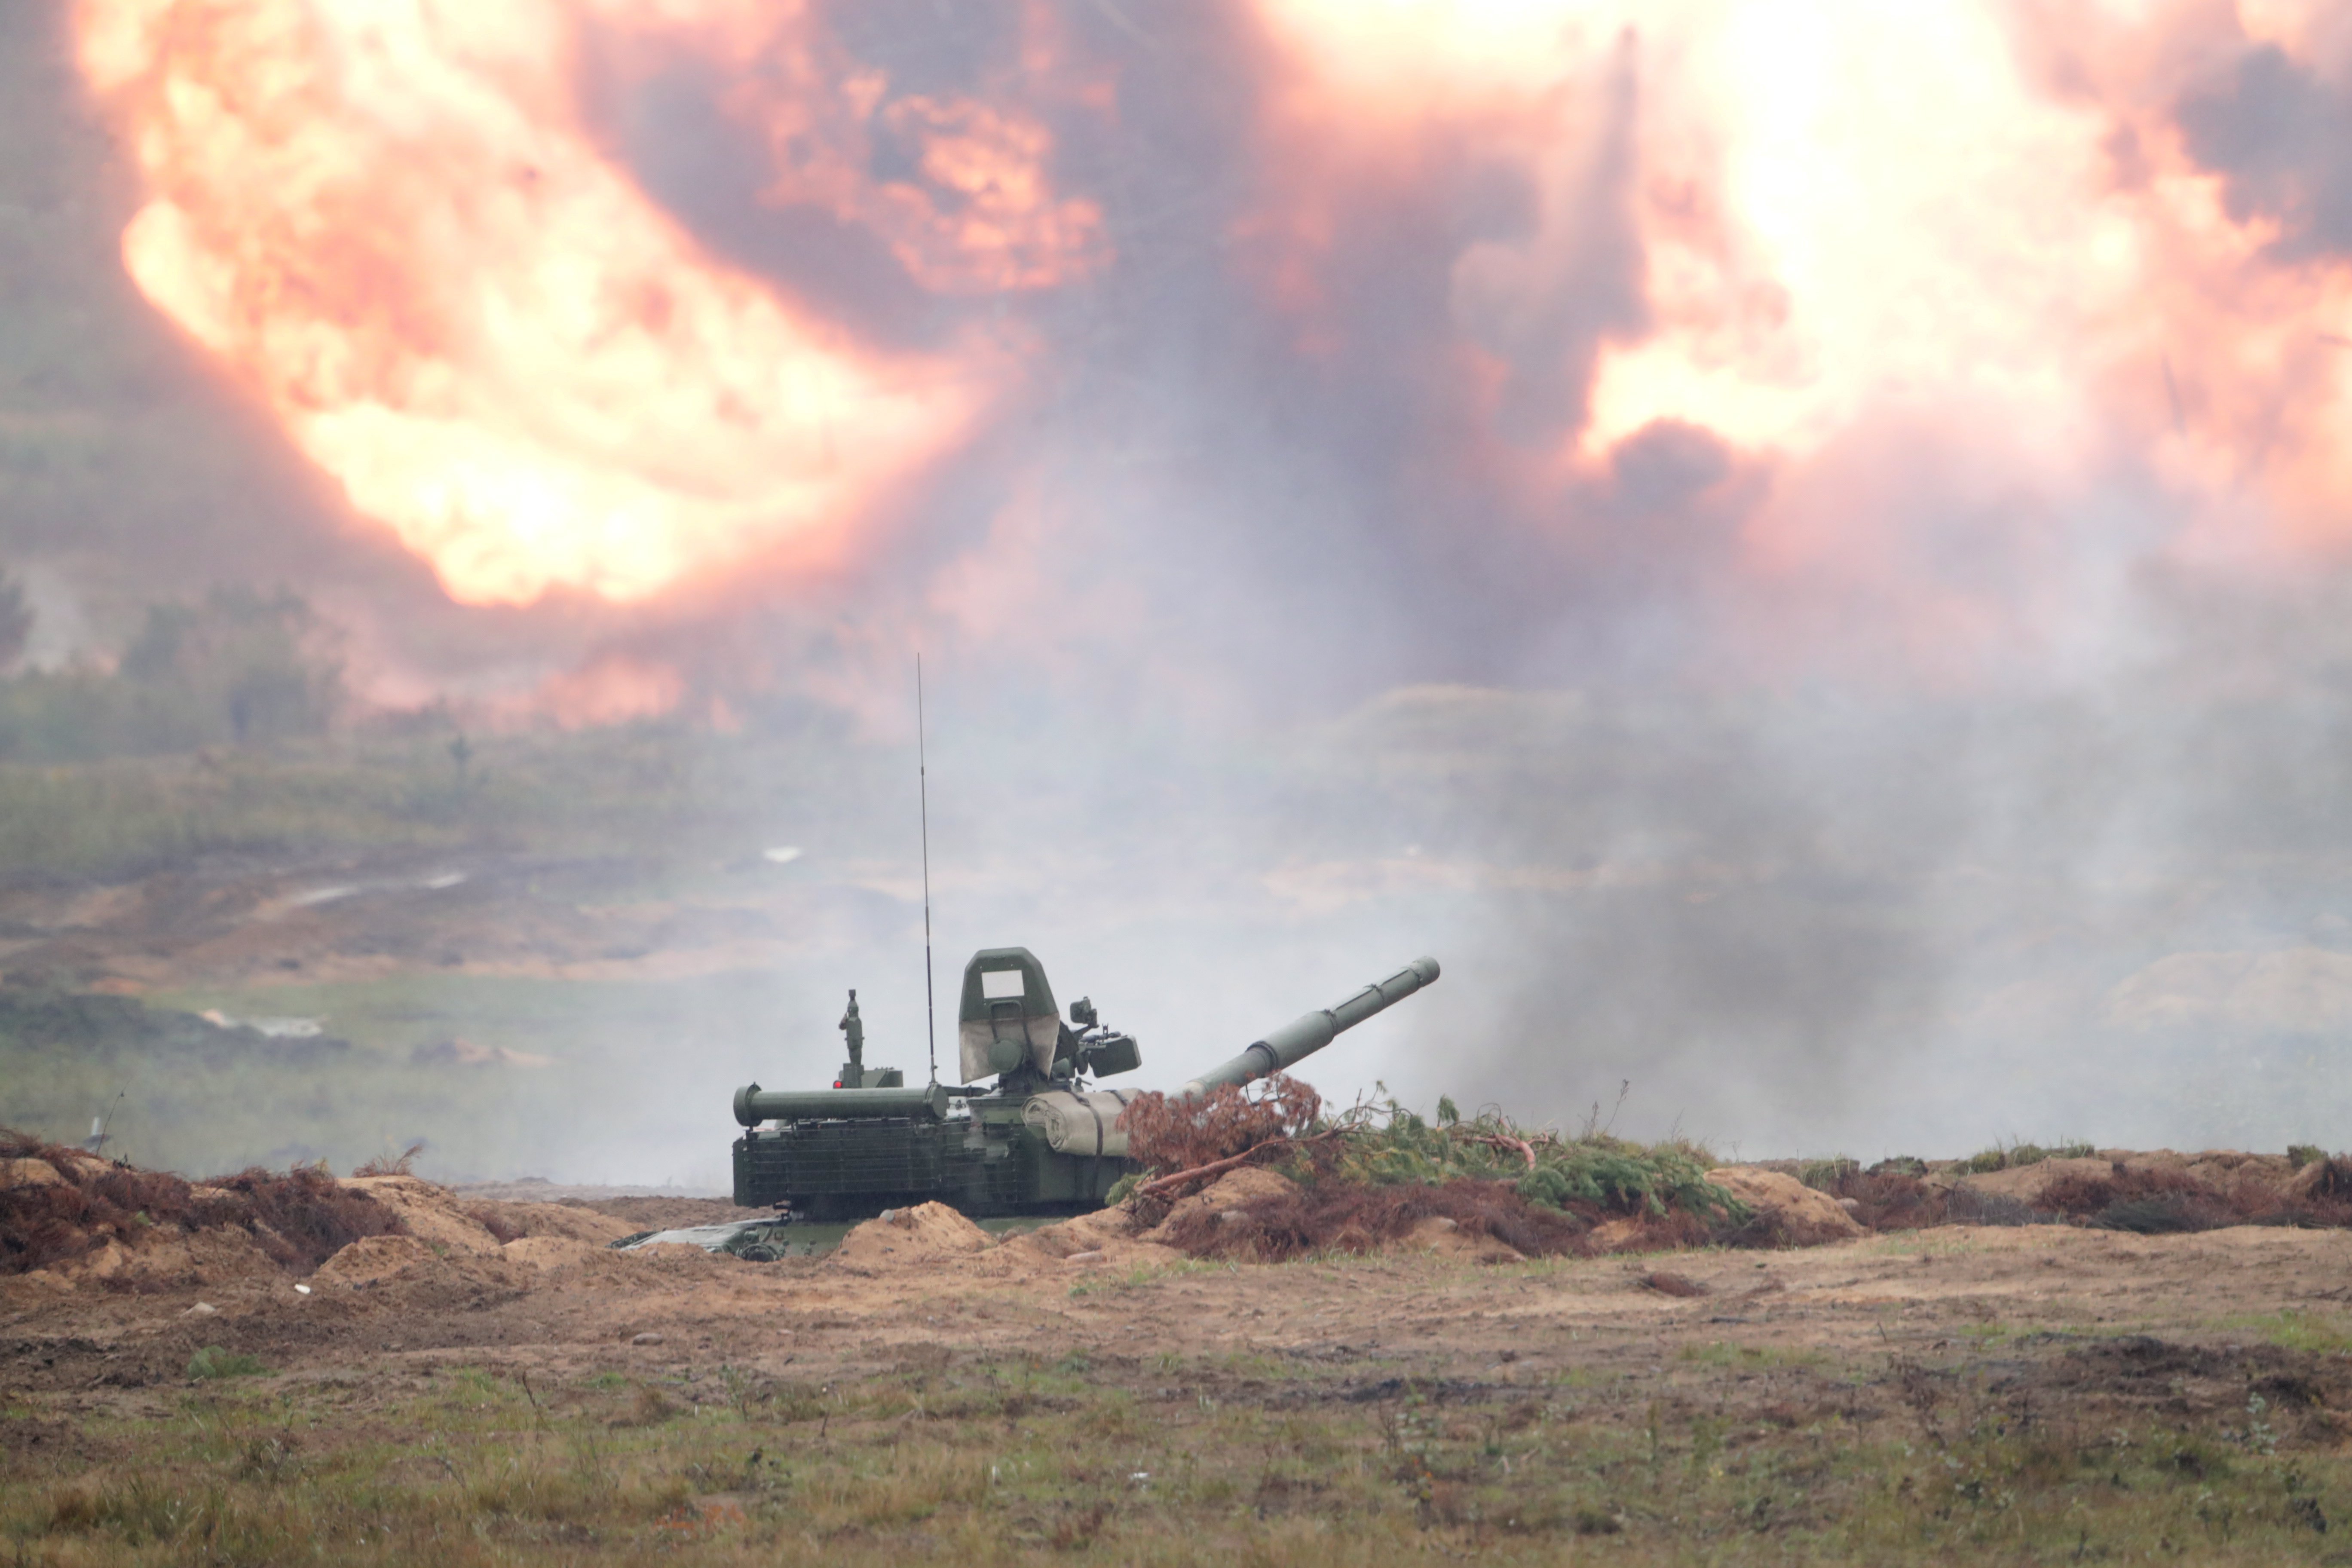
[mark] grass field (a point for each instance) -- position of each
(495, 1074)
(1721, 1455)
(630, 790)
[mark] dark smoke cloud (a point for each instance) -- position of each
(2283, 136)
(712, 177)
(1543, 293)
(1327, 513)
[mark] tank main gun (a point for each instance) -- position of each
(1282, 1048)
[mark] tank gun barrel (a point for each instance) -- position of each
(1304, 1036)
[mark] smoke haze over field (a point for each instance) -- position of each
(1803, 557)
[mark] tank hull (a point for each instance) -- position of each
(828, 1171)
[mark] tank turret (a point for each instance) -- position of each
(1040, 1139)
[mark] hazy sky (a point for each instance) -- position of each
(1801, 555)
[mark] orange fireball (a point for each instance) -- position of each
(385, 217)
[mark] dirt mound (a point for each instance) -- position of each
(1107, 1236)
(1785, 1212)
(374, 1260)
(1105, 1231)
(924, 1233)
(644, 1208)
(2148, 1198)
(2320, 1181)
(1231, 1190)
(481, 1243)
(1645, 1232)
(2024, 1182)
(1445, 1238)
(432, 1214)
(659, 1213)
(64, 1210)
(550, 1252)
(28, 1174)
(513, 1222)
(1266, 1218)
(2118, 1190)
(71, 1218)
(1258, 1215)
(2202, 1195)
(2217, 1170)
(456, 1224)
(409, 1277)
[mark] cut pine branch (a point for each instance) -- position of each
(1505, 1140)
(1168, 1183)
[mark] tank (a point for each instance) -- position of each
(1027, 1131)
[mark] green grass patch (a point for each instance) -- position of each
(1723, 1353)
(1823, 1175)
(2295, 1329)
(2014, 1156)
(1248, 1459)
(1142, 1276)
(1991, 1333)
(214, 1361)
(1388, 1144)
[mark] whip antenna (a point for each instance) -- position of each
(923, 794)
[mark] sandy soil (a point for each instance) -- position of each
(2040, 1303)
(644, 1208)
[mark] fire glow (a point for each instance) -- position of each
(390, 220)
(1851, 214)
(387, 220)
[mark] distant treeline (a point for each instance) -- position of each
(235, 668)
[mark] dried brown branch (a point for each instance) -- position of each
(1178, 1134)
(1505, 1140)
(1168, 1183)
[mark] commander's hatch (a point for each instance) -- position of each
(1008, 1015)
